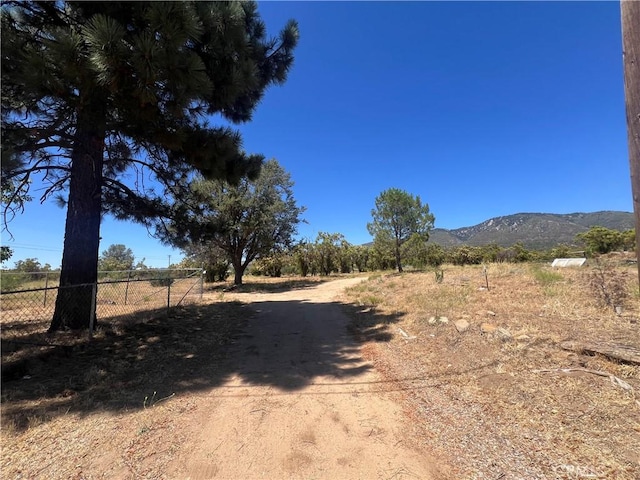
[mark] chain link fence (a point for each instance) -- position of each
(28, 297)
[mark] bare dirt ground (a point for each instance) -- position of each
(303, 402)
(286, 394)
(385, 376)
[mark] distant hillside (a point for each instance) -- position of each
(534, 230)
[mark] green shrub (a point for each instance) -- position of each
(545, 277)
(439, 275)
(163, 281)
(10, 282)
(217, 271)
(268, 266)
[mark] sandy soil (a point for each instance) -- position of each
(303, 402)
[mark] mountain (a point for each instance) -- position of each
(537, 231)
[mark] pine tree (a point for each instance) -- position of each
(101, 97)
(397, 217)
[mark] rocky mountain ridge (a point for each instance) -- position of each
(534, 230)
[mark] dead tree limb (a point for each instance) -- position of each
(616, 351)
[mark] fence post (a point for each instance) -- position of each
(92, 315)
(46, 285)
(126, 290)
(201, 282)
(168, 290)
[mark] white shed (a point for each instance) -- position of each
(568, 262)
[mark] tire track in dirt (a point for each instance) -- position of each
(302, 402)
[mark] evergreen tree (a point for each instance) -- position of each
(101, 97)
(116, 258)
(399, 215)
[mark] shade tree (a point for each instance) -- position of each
(111, 104)
(249, 220)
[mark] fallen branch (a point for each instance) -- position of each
(405, 334)
(616, 381)
(165, 398)
(624, 353)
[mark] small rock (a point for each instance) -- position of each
(489, 312)
(443, 319)
(432, 321)
(461, 325)
(523, 337)
(503, 333)
(487, 328)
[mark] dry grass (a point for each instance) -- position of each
(113, 299)
(566, 424)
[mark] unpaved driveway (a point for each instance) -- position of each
(303, 403)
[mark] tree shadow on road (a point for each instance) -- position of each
(268, 284)
(293, 343)
(132, 363)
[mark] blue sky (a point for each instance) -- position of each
(481, 108)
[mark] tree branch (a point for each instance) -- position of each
(55, 186)
(35, 168)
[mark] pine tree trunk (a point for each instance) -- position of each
(75, 305)
(398, 258)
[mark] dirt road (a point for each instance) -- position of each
(303, 402)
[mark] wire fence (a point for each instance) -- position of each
(32, 296)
